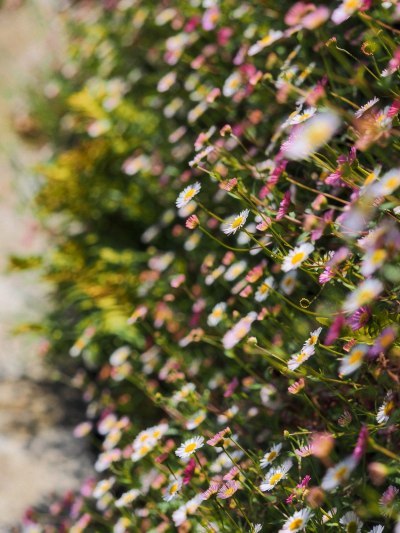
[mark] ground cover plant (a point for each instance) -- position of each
(222, 202)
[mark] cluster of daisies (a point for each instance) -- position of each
(239, 353)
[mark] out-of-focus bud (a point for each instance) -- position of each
(377, 472)
(322, 444)
(315, 497)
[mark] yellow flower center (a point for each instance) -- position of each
(378, 256)
(356, 356)
(271, 456)
(302, 356)
(189, 448)
(392, 183)
(189, 195)
(388, 408)
(273, 480)
(352, 527)
(237, 222)
(351, 4)
(296, 523)
(228, 492)
(297, 257)
(173, 488)
(386, 340)
(365, 295)
(341, 473)
(264, 288)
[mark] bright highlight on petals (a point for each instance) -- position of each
(189, 447)
(188, 194)
(231, 226)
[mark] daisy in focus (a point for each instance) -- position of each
(351, 522)
(275, 475)
(299, 358)
(313, 338)
(297, 522)
(271, 455)
(386, 409)
(187, 195)
(297, 256)
(190, 446)
(231, 226)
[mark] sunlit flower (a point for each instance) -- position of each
(386, 409)
(271, 455)
(196, 420)
(367, 291)
(231, 226)
(386, 185)
(354, 360)
(264, 289)
(377, 529)
(275, 475)
(338, 474)
(172, 490)
(103, 486)
(345, 10)
(232, 84)
(297, 522)
(308, 137)
(288, 283)
(216, 314)
(313, 338)
(239, 330)
(302, 117)
(299, 358)
(351, 522)
(187, 194)
(365, 107)
(219, 437)
(228, 489)
(272, 36)
(127, 497)
(235, 270)
(189, 446)
(297, 256)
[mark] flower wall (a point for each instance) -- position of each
(223, 202)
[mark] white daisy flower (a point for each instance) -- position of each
(236, 222)
(102, 487)
(272, 36)
(189, 446)
(386, 185)
(354, 360)
(363, 294)
(386, 409)
(256, 528)
(196, 420)
(365, 107)
(351, 522)
(377, 529)
(297, 522)
(235, 270)
(316, 132)
(173, 488)
(232, 84)
(373, 260)
(264, 289)
(275, 475)
(239, 330)
(271, 455)
(313, 338)
(127, 498)
(288, 282)
(345, 10)
(338, 474)
(119, 356)
(299, 358)
(216, 314)
(187, 194)
(297, 256)
(142, 450)
(179, 516)
(302, 117)
(156, 432)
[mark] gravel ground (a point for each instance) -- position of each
(38, 454)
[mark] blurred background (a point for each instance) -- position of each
(38, 454)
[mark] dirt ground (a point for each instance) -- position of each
(38, 454)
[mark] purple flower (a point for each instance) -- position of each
(361, 444)
(334, 330)
(360, 318)
(383, 342)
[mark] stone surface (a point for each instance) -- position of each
(38, 454)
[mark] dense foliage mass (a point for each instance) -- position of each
(225, 265)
